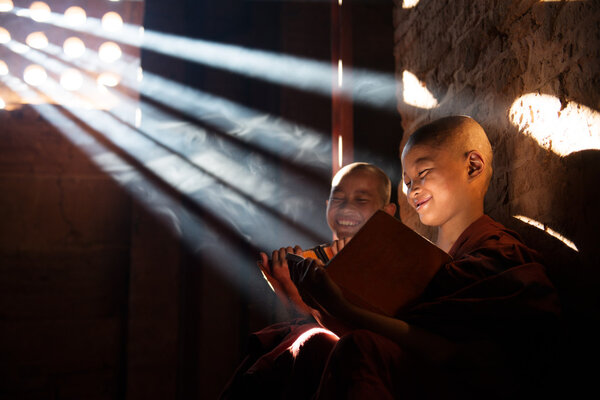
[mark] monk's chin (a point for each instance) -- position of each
(427, 221)
(346, 233)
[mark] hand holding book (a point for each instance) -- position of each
(384, 268)
(319, 291)
(276, 272)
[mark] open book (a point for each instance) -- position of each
(386, 266)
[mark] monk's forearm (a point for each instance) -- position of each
(292, 294)
(431, 347)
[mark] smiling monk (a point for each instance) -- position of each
(357, 191)
(485, 324)
(286, 359)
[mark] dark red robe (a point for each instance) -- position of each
(494, 299)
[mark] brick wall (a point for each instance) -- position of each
(479, 58)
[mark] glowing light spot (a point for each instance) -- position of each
(74, 47)
(415, 92)
(295, 347)
(340, 73)
(40, 11)
(75, 16)
(340, 151)
(140, 74)
(4, 35)
(6, 5)
(138, 123)
(562, 129)
(105, 99)
(112, 22)
(109, 52)
(20, 48)
(37, 40)
(410, 3)
(267, 280)
(545, 228)
(3, 68)
(35, 75)
(71, 79)
(2, 104)
(340, 2)
(109, 79)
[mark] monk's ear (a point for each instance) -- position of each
(475, 163)
(390, 209)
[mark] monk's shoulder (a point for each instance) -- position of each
(488, 238)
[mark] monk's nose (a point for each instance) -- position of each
(415, 188)
(413, 192)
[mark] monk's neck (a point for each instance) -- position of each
(451, 231)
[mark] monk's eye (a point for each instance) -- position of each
(337, 199)
(422, 173)
(407, 184)
(362, 200)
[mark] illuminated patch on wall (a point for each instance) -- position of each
(109, 52)
(75, 16)
(6, 5)
(39, 11)
(562, 129)
(409, 3)
(35, 75)
(415, 93)
(546, 229)
(4, 35)
(74, 47)
(112, 22)
(37, 40)
(3, 68)
(71, 58)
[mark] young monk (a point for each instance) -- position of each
(286, 359)
(357, 191)
(481, 328)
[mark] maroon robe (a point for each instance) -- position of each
(494, 300)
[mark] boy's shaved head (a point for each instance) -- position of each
(384, 183)
(458, 134)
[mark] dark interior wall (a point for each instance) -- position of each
(377, 131)
(100, 296)
(65, 241)
(64, 267)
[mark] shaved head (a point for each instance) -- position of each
(383, 182)
(457, 134)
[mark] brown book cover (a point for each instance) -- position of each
(386, 266)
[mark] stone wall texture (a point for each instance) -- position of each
(529, 72)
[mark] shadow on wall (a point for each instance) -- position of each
(482, 59)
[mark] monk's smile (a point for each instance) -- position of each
(422, 202)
